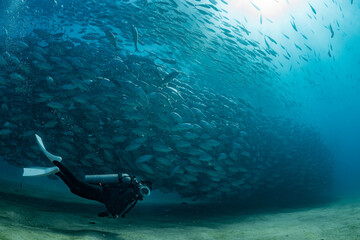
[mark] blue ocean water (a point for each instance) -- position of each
(223, 98)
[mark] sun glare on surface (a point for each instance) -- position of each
(267, 8)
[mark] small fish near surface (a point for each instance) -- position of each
(135, 36)
(332, 31)
(293, 25)
(256, 7)
(312, 8)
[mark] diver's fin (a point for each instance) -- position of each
(39, 171)
(47, 154)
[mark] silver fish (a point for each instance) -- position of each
(135, 36)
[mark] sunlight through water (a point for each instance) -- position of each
(267, 8)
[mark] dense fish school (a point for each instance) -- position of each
(111, 92)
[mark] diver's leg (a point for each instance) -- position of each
(66, 171)
(66, 180)
(76, 186)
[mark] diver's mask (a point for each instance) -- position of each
(144, 191)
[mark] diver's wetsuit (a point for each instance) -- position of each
(115, 197)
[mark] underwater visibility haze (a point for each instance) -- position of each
(242, 101)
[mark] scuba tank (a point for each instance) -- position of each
(114, 179)
(108, 179)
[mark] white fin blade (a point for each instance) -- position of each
(39, 171)
(50, 156)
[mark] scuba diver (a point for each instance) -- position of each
(119, 192)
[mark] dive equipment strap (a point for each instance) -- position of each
(128, 210)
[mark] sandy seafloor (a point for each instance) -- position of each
(38, 214)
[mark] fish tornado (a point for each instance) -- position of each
(105, 107)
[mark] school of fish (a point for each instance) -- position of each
(113, 91)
